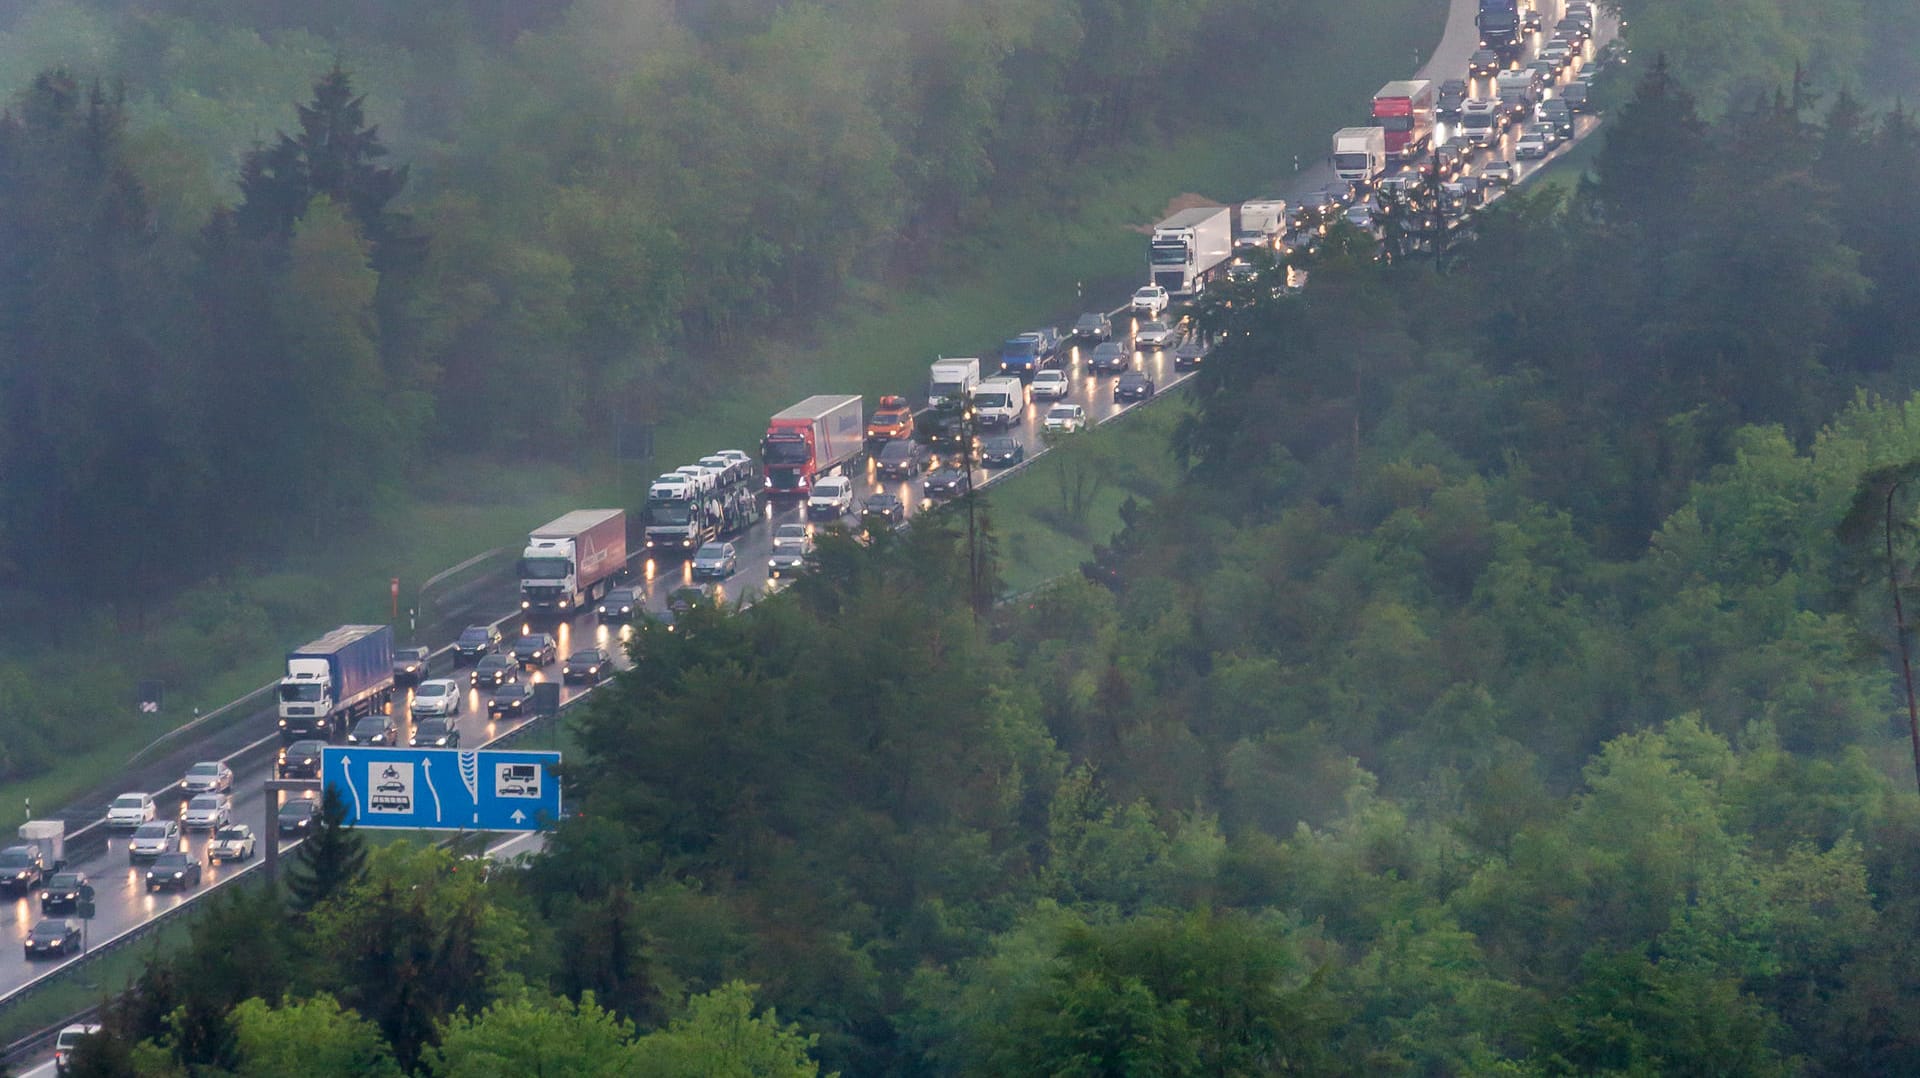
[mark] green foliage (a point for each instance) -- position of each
(332, 859)
(534, 1036)
(310, 1038)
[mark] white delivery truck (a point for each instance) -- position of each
(950, 380)
(1360, 153)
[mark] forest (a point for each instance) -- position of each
(339, 251)
(1511, 689)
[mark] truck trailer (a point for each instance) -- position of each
(1359, 154)
(334, 680)
(1404, 110)
(812, 439)
(572, 561)
(1187, 247)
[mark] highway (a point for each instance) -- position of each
(122, 899)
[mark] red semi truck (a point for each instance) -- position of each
(1404, 108)
(814, 438)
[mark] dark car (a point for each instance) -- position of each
(1559, 113)
(902, 458)
(296, 817)
(1093, 326)
(535, 649)
(587, 664)
(411, 666)
(374, 730)
(495, 670)
(946, 483)
(1484, 62)
(1572, 30)
(173, 872)
(1311, 208)
(1188, 355)
(62, 891)
(21, 869)
(621, 604)
(300, 760)
(1578, 96)
(1133, 386)
(1002, 451)
(883, 508)
(1530, 20)
(435, 734)
(52, 938)
(1453, 94)
(1343, 192)
(1110, 357)
(942, 432)
(475, 641)
(1453, 158)
(509, 700)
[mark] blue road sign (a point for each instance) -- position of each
(444, 789)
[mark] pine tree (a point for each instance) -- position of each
(332, 859)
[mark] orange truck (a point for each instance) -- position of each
(892, 419)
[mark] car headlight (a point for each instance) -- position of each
(178, 875)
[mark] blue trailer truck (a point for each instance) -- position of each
(335, 680)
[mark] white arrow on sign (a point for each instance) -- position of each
(518, 816)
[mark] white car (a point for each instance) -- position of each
(129, 811)
(150, 840)
(208, 776)
(68, 1040)
(1531, 147)
(671, 487)
(1065, 418)
(207, 812)
(1500, 172)
(1050, 385)
(792, 546)
(233, 842)
(1151, 301)
(1155, 334)
(832, 498)
(437, 699)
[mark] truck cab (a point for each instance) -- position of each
(1359, 153)
(1026, 353)
(951, 380)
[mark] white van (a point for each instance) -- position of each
(998, 402)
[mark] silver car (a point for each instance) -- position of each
(1155, 334)
(792, 546)
(208, 776)
(150, 840)
(206, 812)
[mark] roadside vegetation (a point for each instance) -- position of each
(1509, 685)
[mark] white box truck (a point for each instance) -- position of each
(1261, 223)
(1187, 247)
(951, 380)
(1360, 153)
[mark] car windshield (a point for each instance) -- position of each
(896, 452)
(1092, 321)
(49, 930)
(493, 662)
(205, 801)
(204, 770)
(712, 552)
(304, 748)
(433, 690)
(230, 834)
(537, 640)
(588, 657)
(129, 802)
(1000, 445)
(369, 727)
(474, 636)
(508, 692)
(431, 728)
(151, 830)
(14, 858)
(620, 595)
(65, 881)
(1060, 411)
(170, 861)
(1049, 376)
